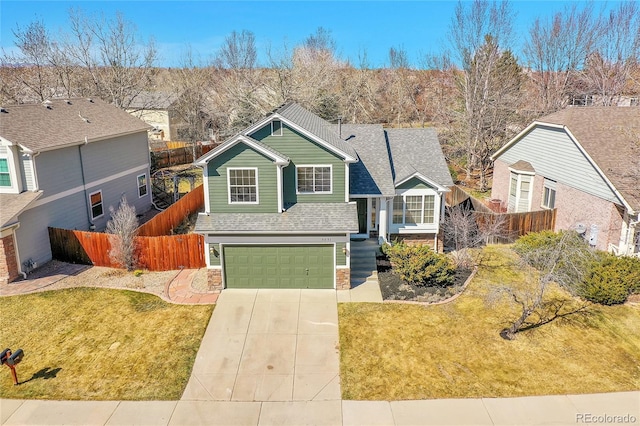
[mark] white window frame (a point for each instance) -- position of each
(314, 192)
(8, 172)
(101, 204)
(146, 185)
(549, 185)
(273, 133)
(255, 171)
(519, 175)
(422, 224)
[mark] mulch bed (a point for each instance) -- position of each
(393, 288)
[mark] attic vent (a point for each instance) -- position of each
(2, 109)
(47, 104)
(90, 100)
(68, 102)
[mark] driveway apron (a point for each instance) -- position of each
(269, 345)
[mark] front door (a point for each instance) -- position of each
(361, 203)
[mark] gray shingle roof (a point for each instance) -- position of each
(13, 204)
(315, 125)
(372, 174)
(417, 150)
(63, 123)
(611, 137)
(301, 217)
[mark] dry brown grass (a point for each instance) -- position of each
(87, 343)
(395, 352)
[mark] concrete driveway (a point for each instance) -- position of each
(269, 345)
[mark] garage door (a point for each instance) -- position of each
(300, 266)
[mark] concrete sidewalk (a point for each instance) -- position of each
(612, 408)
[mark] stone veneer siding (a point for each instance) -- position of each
(343, 279)
(214, 279)
(8, 261)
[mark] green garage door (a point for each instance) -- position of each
(300, 266)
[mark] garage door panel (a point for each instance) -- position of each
(299, 266)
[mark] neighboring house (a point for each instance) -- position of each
(284, 197)
(584, 162)
(64, 163)
(158, 110)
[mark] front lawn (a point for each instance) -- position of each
(398, 352)
(87, 343)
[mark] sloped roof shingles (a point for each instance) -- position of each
(64, 123)
(314, 125)
(611, 137)
(418, 150)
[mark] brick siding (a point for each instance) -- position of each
(214, 279)
(343, 279)
(8, 261)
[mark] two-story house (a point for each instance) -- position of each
(284, 197)
(64, 163)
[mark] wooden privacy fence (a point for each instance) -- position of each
(164, 222)
(518, 224)
(161, 253)
(156, 251)
(514, 225)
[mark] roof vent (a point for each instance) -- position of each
(90, 100)
(47, 104)
(4, 110)
(68, 102)
(85, 119)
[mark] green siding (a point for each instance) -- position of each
(295, 266)
(415, 183)
(242, 156)
(214, 254)
(341, 256)
(302, 150)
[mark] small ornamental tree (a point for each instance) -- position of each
(123, 225)
(421, 266)
(563, 258)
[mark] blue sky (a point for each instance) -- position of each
(375, 26)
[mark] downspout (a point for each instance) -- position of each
(35, 174)
(92, 226)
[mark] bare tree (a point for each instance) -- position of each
(33, 64)
(608, 69)
(308, 74)
(123, 225)
(564, 260)
(238, 87)
(358, 88)
(117, 64)
(489, 82)
(555, 50)
(465, 229)
(190, 84)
